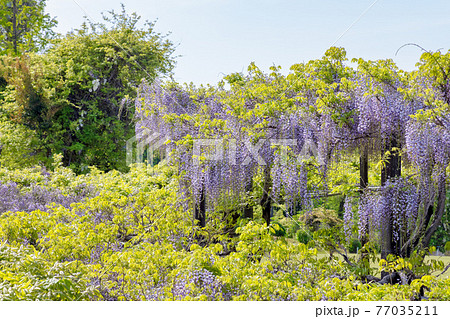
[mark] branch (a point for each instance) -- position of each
(445, 269)
(394, 278)
(440, 209)
(429, 52)
(370, 279)
(344, 255)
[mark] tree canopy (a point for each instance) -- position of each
(76, 97)
(265, 121)
(24, 26)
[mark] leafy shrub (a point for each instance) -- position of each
(26, 275)
(303, 236)
(355, 246)
(133, 240)
(292, 227)
(75, 98)
(321, 218)
(276, 229)
(447, 246)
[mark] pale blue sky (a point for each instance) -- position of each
(217, 37)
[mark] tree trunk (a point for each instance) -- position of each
(393, 165)
(248, 209)
(440, 209)
(391, 168)
(364, 168)
(14, 25)
(363, 184)
(266, 200)
(200, 209)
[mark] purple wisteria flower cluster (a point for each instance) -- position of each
(205, 283)
(396, 203)
(13, 199)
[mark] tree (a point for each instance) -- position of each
(24, 26)
(372, 113)
(428, 140)
(79, 104)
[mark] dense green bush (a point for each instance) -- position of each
(447, 246)
(355, 246)
(303, 236)
(76, 99)
(320, 218)
(26, 274)
(277, 229)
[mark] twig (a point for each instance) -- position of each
(445, 269)
(344, 255)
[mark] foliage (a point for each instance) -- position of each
(276, 229)
(307, 128)
(24, 26)
(76, 98)
(132, 240)
(321, 218)
(355, 246)
(303, 236)
(198, 225)
(447, 246)
(16, 142)
(25, 274)
(441, 237)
